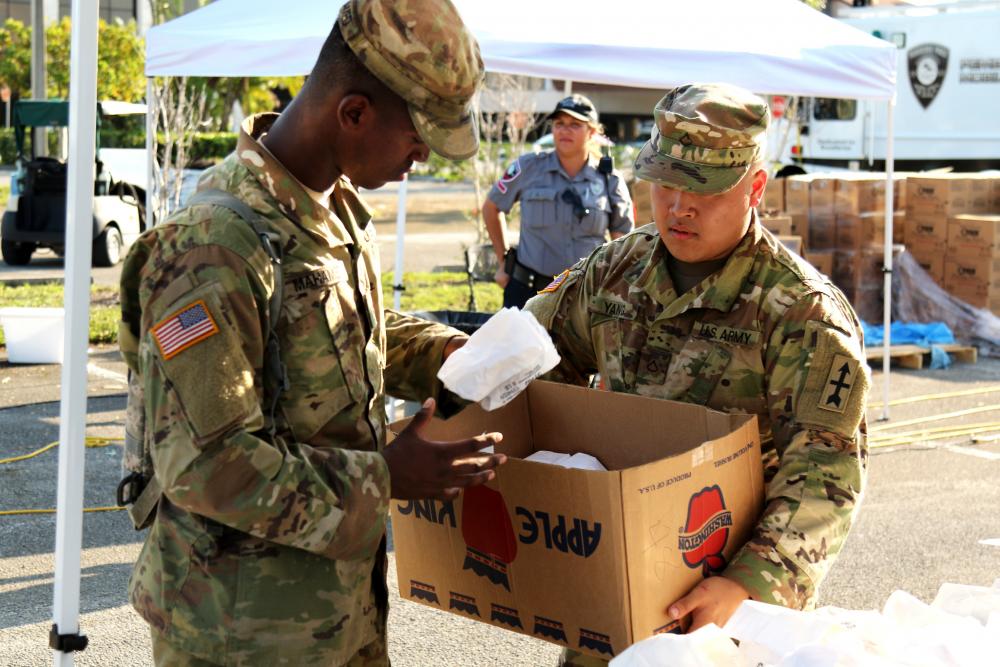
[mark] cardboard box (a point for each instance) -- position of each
(584, 559)
(980, 193)
(797, 194)
(822, 260)
(977, 298)
(921, 226)
(971, 274)
(899, 227)
(774, 195)
(793, 243)
(779, 225)
(974, 235)
(800, 226)
(822, 232)
(821, 196)
(855, 195)
(928, 255)
(996, 193)
(855, 232)
(938, 194)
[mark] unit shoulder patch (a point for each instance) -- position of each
(184, 329)
(837, 381)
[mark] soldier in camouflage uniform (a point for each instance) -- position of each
(270, 550)
(705, 306)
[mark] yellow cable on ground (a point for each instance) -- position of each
(90, 441)
(52, 511)
(931, 397)
(938, 417)
(912, 441)
(938, 429)
(931, 437)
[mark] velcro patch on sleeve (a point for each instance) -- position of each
(556, 283)
(836, 386)
(184, 329)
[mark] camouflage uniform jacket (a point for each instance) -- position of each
(268, 551)
(766, 335)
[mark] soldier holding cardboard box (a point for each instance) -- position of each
(705, 307)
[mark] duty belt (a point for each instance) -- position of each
(532, 279)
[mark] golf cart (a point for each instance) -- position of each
(36, 211)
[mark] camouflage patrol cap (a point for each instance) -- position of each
(423, 52)
(705, 138)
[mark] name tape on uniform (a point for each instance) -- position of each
(723, 334)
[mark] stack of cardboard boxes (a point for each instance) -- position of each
(841, 219)
(961, 213)
(953, 231)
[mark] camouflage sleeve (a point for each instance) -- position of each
(563, 309)
(622, 214)
(201, 354)
(414, 354)
(817, 389)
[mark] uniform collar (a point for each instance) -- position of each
(588, 173)
(339, 224)
(719, 291)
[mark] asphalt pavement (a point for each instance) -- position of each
(928, 514)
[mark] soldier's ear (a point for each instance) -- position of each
(757, 184)
(355, 112)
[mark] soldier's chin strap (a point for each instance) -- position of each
(275, 371)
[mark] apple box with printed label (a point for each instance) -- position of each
(585, 559)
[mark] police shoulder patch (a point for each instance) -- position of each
(184, 328)
(512, 172)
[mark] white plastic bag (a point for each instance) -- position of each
(579, 460)
(707, 646)
(500, 359)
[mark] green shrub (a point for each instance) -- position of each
(8, 149)
(212, 147)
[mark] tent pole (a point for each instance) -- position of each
(887, 270)
(150, 152)
(65, 637)
(397, 282)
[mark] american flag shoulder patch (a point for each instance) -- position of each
(184, 328)
(556, 283)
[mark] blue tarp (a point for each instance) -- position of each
(905, 333)
(929, 335)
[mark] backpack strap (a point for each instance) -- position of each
(275, 372)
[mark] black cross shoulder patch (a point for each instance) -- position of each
(839, 384)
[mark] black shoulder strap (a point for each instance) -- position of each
(275, 372)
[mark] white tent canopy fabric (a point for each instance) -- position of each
(768, 46)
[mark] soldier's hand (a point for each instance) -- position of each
(501, 278)
(420, 468)
(714, 600)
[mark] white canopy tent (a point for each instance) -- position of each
(768, 46)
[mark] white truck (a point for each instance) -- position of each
(947, 96)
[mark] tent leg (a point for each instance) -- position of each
(73, 400)
(397, 281)
(887, 270)
(150, 152)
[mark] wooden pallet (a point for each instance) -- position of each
(913, 356)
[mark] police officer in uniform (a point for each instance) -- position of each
(706, 306)
(569, 200)
(268, 543)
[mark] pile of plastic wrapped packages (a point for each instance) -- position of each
(960, 628)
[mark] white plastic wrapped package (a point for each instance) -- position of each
(708, 646)
(500, 359)
(580, 461)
